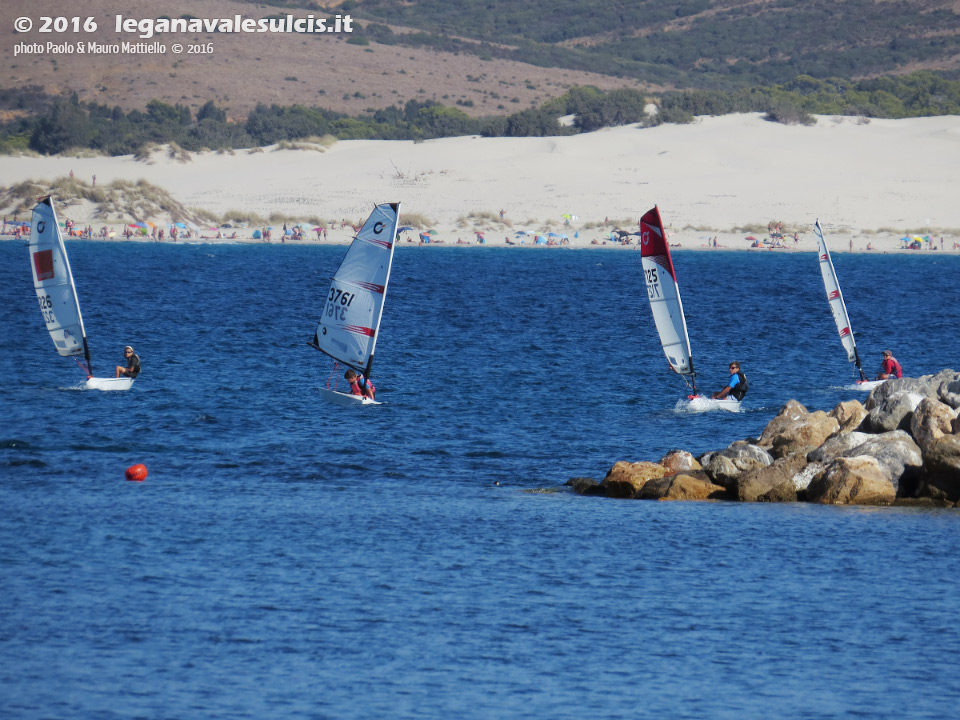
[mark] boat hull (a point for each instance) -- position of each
(339, 398)
(94, 383)
(868, 385)
(700, 403)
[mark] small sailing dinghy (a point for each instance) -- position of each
(350, 322)
(664, 295)
(839, 309)
(57, 294)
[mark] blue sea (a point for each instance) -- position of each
(288, 558)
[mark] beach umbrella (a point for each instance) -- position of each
(404, 228)
(425, 236)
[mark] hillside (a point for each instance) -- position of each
(286, 69)
(717, 44)
(488, 57)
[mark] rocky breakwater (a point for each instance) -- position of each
(902, 446)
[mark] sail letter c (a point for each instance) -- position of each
(378, 227)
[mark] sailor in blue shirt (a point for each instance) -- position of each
(736, 385)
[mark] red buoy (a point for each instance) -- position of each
(136, 473)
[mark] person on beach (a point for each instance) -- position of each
(889, 368)
(736, 385)
(133, 364)
(359, 385)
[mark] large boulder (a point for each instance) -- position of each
(924, 386)
(836, 445)
(789, 414)
(784, 492)
(725, 466)
(751, 486)
(585, 486)
(941, 464)
(794, 429)
(899, 457)
(677, 461)
(932, 419)
(848, 414)
(682, 486)
(949, 391)
(852, 481)
(626, 478)
(893, 412)
(802, 480)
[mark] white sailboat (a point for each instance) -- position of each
(350, 322)
(664, 295)
(57, 294)
(839, 308)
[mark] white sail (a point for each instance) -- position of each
(664, 293)
(348, 328)
(53, 282)
(835, 298)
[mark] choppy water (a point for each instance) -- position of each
(288, 558)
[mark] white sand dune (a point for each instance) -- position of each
(721, 176)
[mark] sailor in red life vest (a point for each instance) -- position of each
(359, 385)
(889, 368)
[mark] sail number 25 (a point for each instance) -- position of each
(46, 309)
(653, 283)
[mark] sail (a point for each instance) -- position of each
(53, 281)
(664, 294)
(348, 328)
(835, 298)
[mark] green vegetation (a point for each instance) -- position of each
(707, 44)
(69, 125)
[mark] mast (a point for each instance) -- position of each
(835, 298)
(54, 284)
(376, 331)
(73, 285)
(664, 295)
(353, 308)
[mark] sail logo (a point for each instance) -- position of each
(833, 295)
(823, 257)
(645, 237)
(43, 263)
(378, 227)
(845, 332)
(41, 226)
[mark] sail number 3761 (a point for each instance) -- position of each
(653, 283)
(338, 302)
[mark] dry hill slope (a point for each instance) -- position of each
(250, 68)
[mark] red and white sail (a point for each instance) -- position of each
(664, 293)
(350, 322)
(835, 298)
(53, 282)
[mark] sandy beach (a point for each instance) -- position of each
(728, 178)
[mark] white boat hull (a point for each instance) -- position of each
(868, 385)
(700, 403)
(94, 383)
(339, 398)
